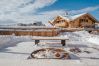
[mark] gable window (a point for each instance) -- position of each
(83, 20)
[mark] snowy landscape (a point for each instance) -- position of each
(17, 49)
(49, 32)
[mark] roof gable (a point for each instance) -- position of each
(74, 17)
(77, 16)
(86, 14)
(71, 18)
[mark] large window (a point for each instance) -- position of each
(83, 20)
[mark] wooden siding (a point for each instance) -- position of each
(90, 22)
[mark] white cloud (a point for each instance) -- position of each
(16, 10)
(88, 9)
(23, 5)
(36, 5)
(54, 12)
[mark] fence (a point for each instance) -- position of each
(31, 33)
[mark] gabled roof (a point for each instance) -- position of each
(77, 16)
(73, 17)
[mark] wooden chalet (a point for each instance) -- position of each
(84, 20)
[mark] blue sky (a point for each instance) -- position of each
(74, 5)
(29, 11)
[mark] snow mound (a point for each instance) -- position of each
(94, 40)
(82, 36)
(77, 36)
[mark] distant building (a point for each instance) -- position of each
(31, 24)
(38, 24)
(84, 20)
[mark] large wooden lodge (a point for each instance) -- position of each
(84, 20)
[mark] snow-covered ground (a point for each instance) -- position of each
(14, 50)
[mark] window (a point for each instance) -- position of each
(83, 20)
(86, 20)
(57, 21)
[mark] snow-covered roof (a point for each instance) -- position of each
(76, 16)
(71, 17)
(65, 17)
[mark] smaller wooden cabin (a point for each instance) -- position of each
(84, 20)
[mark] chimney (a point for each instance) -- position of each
(66, 14)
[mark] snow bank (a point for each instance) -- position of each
(94, 40)
(82, 36)
(10, 40)
(76, 36)
(4, 40)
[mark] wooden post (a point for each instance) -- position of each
(36, 42)
(63, 42)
